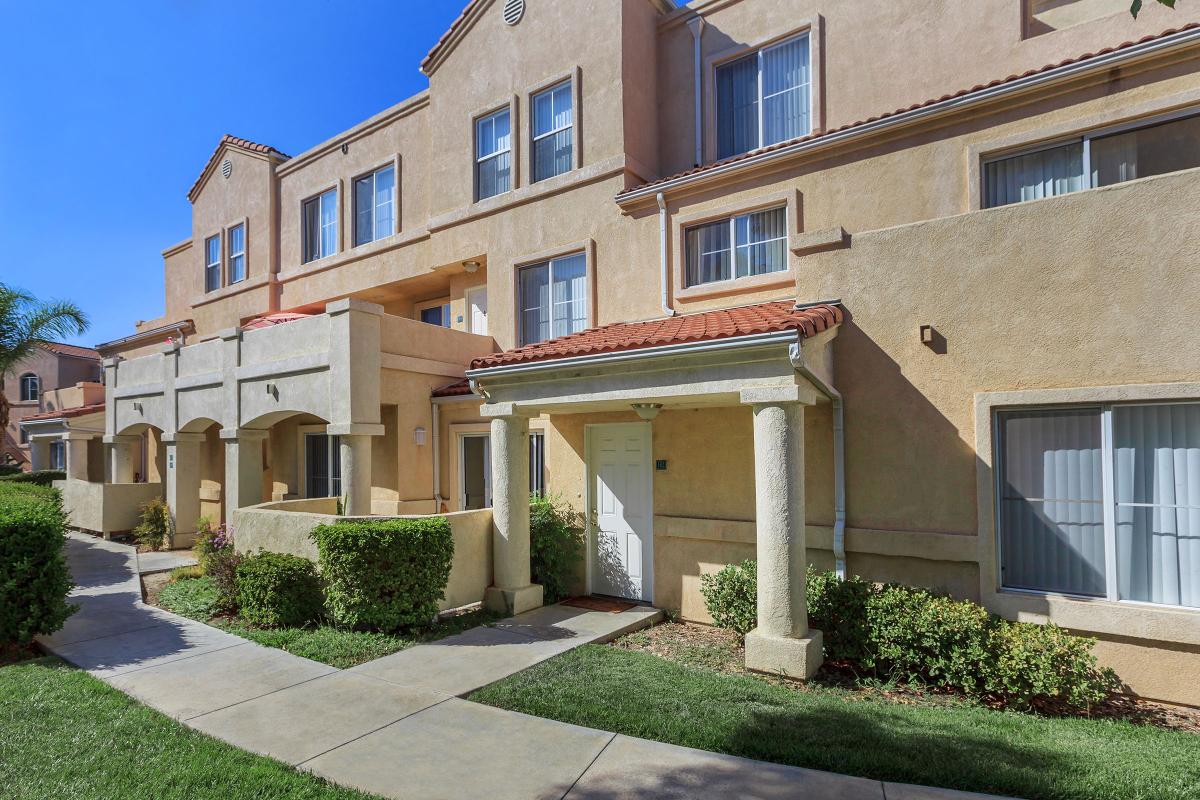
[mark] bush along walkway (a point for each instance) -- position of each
(396, 726)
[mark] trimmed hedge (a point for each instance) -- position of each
(9, 469)
(555, 546)
(43, 477)
(277, 590)
(34, 580)
(384, 575)
(730, 595)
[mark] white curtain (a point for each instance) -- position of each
(785, 90)
(737, 107)
(761, 242)
(1114, 159)
(385, 186)
(493, 144)
(569, 276)
(535, 304)
(552, 112)
(708, 253)
(329, 223)
(1032, 176)
(364, 214)
(1157, 484)
(1052, 501)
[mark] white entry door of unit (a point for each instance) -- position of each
(621, 546)
(477, 310)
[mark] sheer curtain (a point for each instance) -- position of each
(493, 146)
(761, 242)
(535, 304)
(708, 253)
(785, 90)
(737, 107)
(329, 223)
(364, 211)
(570, 294)
(1052, 501)
(552, 132)
(385, 185)
(1157, 485)
(1045, 173)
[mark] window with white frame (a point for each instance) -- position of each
(764, 98)
(374, 205)
(31, 387)
(493, 155)
(58, 455)
(212, 263)
(237, 253)
(437, 315)
(553, 298)
(1102, 501)
(322, 465)
(320, 226)
(1097, 159)
(736, 247)
(553, 132)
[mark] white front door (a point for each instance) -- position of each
(477, 310)
(621, 545)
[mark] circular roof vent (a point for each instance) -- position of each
(513, 11)
(226, 168)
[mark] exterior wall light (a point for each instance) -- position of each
(419, 436)
(470, 266)
(647, 411)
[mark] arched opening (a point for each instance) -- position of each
(210, 468)
(148, 455)
(300, 458)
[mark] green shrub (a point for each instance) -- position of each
(222, 568)
(211, 543)
(731, 597)
(9, 469)
(34, 580)
(555, 546)
(277, 590)
(385, 574)
(43, 477)
(155, 529)
(1039, 664)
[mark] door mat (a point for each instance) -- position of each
(594, 603)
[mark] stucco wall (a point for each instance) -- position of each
(105, 508)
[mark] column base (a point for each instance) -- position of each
(513, 601)
(792, 658)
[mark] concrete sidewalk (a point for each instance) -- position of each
(396, 727)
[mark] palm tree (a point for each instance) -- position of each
(26, 322)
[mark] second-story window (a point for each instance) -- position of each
(437, 315)
(764, 98)
(374, 206)
(493, 155)
(553, 298)
(31, 388)
(320, 226)
(553, 132)
(1092, 160)
(237, 253)
(212, 263)
(737, 247)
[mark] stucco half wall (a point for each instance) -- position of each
(284, 527)
(105, 508)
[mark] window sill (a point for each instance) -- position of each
(757, 283)
(232, 289)
(1099, 615)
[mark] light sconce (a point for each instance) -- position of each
(471, 266)
(647, 411)
(273, 390)
(137, 407)
(419, 436)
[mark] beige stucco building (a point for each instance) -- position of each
(56, 377)
(905, 292)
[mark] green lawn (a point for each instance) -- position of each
(957, 745)
(195, 598)
(64, 734)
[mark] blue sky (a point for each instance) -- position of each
(109, 110)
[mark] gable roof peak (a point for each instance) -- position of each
(245, 145)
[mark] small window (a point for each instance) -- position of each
(58, 455)
(553, 132)
(374, 206)
(322, 465)
(537, 463)
(1092, 161)
(320, 226)
(493, 155)
(737, 247)
(212, 263)
(237, 253)
(437, 315)
(553, 298)
(31, 388)
(764, 98)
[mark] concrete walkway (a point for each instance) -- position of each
(397, 726)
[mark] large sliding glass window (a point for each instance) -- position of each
(320, 226)
(737, 247)
(1090, 161)
(237, 253)
(764, 98)
(212, 263)
(553, 298)
(493, 155)
(374, 206)
(1102, 501)
(553, 132)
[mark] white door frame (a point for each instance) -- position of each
(461, 441)
(473, 291)
(589, 501)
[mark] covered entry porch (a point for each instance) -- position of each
(765, 365)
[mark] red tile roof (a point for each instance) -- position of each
(269, 320)
(445, 37)
(234, 141)
(687, 328)
(74, 350)
(932, 101)
(66, 413)
(456, 389)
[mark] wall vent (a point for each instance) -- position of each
(226, 168)
(513, 11)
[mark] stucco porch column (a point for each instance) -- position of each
(183, 481)
(243, 468)
(512, 590)
(355, 453)
(782, 643)
(39, 453)
(77, 455)
(122, 464)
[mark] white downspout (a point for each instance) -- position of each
(696, 26)
(662, 255)
(437, 461)
(839, 457)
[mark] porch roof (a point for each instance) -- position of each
(705, 326)
(65, 413)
